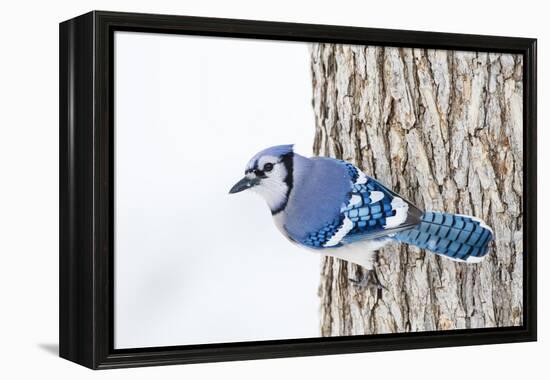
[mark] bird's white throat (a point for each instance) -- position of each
(274, 189)
(274, 192)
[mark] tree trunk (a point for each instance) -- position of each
(444, 130)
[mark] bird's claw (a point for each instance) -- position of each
(368, 280)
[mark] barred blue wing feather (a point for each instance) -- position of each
(371, 211)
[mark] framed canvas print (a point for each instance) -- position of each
(236, 189)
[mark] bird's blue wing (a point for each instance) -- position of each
(372, 211)
(377, 211)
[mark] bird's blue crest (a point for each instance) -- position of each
(276, 151)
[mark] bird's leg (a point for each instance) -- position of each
(369, 279)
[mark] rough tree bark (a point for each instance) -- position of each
(443, 129)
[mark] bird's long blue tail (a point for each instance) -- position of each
(458, 237)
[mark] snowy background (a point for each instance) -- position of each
(192, 263)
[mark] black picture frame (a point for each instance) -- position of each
(86, 189)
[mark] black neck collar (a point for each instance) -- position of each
(288, 161)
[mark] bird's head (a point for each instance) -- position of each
(269, 173)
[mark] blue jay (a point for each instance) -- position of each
(331, 206)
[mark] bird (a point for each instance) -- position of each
(332, 207)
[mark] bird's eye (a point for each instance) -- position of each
(268, 167)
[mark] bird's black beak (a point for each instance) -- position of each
(243, 184)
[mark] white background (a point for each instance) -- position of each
(29, 191)
(194, 264)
